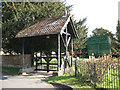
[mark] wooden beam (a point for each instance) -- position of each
(60, 59)
(73, 27)
(68, 63)
(46, 57)
(58, 52)
(40, 56)
(23, 52)
(47, 64)
(65, 25)
(45, 70)
(63, 40)
(68, 41)
(32, 53)
(66, 49)
(65, 33)
(71, 51)
(64, 62)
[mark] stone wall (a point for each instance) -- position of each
(15, 60)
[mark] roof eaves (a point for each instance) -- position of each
(74, 29)
(66, 23)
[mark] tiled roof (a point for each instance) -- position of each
(44, 27)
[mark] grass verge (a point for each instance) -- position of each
(75, 82)
(11, 70)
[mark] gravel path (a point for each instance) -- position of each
(32, 80)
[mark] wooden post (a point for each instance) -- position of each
(75, 69)
(71, 51)
(94, 75)
(23, 52)
(66, 49)
(119, 72)
(32, 57)
(47, 64)
(58, 52)
(64, 63)
(60, 59)
(41, 60)
(40, 56)
(32, 54)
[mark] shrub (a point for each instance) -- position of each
(95, 70)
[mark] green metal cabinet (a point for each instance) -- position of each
(99, 45)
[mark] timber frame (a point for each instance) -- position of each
(64, 39)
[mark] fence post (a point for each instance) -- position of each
(94, 75)
(75, 69)
(47, 64)
(119, 71)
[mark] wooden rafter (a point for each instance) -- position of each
(68, 41)
(61, 31)
(63, 40)
(65, 33)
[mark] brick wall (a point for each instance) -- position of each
(15, 60)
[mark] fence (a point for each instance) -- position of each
(101, 72)
(14, 60)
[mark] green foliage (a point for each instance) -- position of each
(11, 70)
(20, 15)
(100, 31)
(75, 82)
(118, 32)
(118, 37)
(82, 31)
(97, 70)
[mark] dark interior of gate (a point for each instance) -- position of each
(55, 49)
(47, 48)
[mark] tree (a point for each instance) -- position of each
(100, 31)
(118, 31)
(19, 15)
(118, 38)
(82, 30)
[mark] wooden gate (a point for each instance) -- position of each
(46, 64)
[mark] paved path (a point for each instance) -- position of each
(33, 80)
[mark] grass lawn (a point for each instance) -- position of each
(75, 82)
(11, 70)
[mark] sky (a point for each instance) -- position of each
(99, 13)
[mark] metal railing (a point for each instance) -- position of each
(101, 72)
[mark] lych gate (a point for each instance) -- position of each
(50, 34)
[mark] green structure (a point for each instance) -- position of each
(99, 45)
